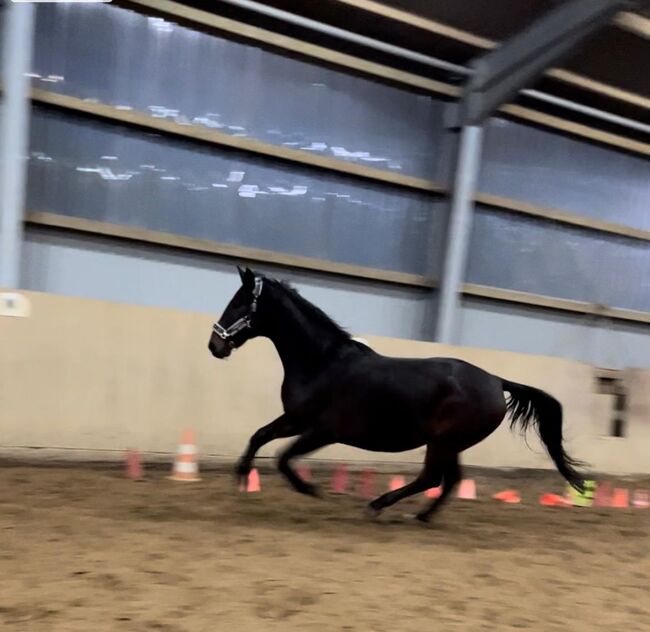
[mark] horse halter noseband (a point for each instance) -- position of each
(245, 322)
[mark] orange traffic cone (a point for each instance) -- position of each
(396, 482)
(254, 484)
(509, 496)
(186, 468)
(433, 492)
(133, 465)
(603, 496)
(340, 479)
(467, 490)
(553, 500)
(620, 498)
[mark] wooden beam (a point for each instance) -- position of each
(625, 20)
(271, 38)
(577, 129)
(634, 23)
(601, 88)
(549, 302)
(418, 21)
(562, 217)
(144, 235)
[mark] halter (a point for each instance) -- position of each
(245, 322)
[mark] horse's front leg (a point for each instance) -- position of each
(282, 427)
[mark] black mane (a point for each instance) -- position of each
(314, 314)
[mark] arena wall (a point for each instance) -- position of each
(82, 376)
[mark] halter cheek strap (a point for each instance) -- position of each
(245, 322)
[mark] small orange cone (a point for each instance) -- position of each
(133, 465)
(433, 492)
(509, 496)
(340, 479)
(641, 499)
(396, 482)
(186, 468)
(620, 498)
(254, 484)
(553, 500)
(467, 490)
(603, 496)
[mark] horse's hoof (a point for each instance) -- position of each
(372, 513)
(241, 473)
(310, 490)
(423, 517)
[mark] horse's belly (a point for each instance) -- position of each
(387, 441)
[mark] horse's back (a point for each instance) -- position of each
(435, 373)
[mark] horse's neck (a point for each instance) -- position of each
(304, 348)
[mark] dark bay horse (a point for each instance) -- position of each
(338, 390)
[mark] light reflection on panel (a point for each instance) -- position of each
(117, 175)
(119, 57)
(530, 255)
(548, 169)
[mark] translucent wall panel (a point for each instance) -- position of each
(549, 169)
(531, 255)
(119, 57)
(114, 174)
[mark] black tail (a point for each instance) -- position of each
(528, 405)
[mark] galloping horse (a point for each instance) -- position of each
(338, 390)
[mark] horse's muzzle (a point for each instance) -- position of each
(219, 349)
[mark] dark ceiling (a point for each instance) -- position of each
(614, 56)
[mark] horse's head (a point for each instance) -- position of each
(238, 323)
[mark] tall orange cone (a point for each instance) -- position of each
(433, 492)
(620, 498)
(186, 468)
(254, 484)
(467, 490)
(133, 465)
(340, 479)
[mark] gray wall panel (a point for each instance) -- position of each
(119, 175)
(99, 51)
(531, 255)
(550, 169)
(92, 267)
(606, 344)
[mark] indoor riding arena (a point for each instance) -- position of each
(326, 315)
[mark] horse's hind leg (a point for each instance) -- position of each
(451, 475)
(311, 440)
(429, 477)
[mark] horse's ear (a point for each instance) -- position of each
(247, 277)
